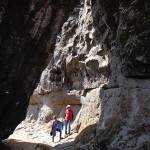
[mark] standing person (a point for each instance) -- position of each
(56, 126)
(68, 119)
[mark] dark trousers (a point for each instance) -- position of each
(57, 129)
(67, 126)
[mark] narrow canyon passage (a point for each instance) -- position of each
(91, 54)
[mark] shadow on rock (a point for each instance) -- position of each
(20, 145)
(3, 146)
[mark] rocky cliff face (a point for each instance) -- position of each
(75, 72)
(28, 31)
(100, 66)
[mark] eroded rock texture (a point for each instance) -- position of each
(28, 31)
(101, 66)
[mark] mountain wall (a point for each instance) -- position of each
(28, 31)
(100, 66)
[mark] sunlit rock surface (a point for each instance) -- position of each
(28, 31)
(100, 66)
(100, 63)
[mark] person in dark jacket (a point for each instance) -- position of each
(68, 119)
(56, 126)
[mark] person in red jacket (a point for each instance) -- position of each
(68, 119)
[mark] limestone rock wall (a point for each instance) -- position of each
(76, 71)
(28, 31)
(101, 67)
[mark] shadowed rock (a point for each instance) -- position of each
(28, 31)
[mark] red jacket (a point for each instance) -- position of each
(68, 114)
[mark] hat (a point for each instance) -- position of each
(68, 106)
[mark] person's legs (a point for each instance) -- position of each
(53, 138)
(60, 132)
(66, 125)
(69, 124)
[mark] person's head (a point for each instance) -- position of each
(55, 117)
(68, 107)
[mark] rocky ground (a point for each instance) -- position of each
(30, 136)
